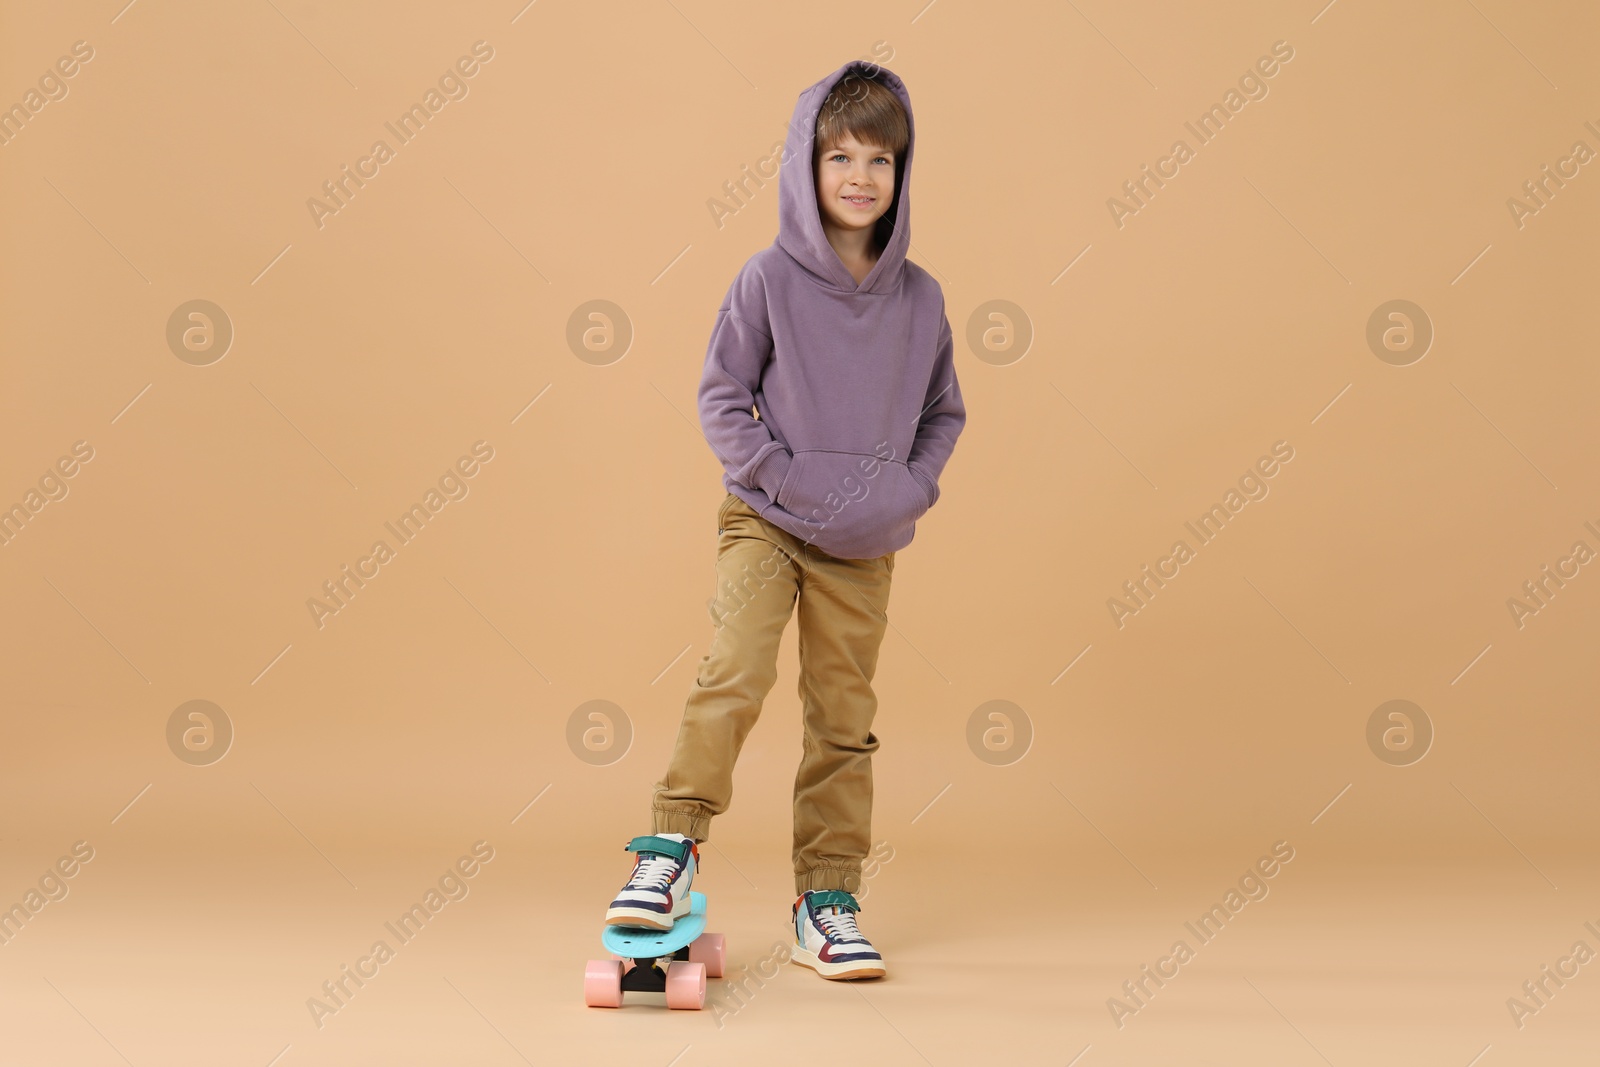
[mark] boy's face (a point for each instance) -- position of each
(855, 184)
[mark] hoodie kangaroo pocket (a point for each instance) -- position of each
(850, 491)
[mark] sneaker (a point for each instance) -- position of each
(657, 895)
(827, 939)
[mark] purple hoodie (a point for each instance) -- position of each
(855, 385)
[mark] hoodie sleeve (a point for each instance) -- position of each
(739, 350)
(944, 414)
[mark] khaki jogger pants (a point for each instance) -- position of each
(762, 571)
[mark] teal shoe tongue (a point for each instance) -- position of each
(836, 898)
(678, 850)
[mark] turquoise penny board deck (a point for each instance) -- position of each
(641, 943)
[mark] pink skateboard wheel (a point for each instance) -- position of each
(602, 984)
(686, 985)
(709, 950)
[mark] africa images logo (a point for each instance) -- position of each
(1252, 485)
(452, 485)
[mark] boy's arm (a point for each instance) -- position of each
(734, 359)
(943, 416)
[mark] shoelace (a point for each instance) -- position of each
(653, 872)
(841, 925)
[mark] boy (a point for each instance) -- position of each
(841, 347)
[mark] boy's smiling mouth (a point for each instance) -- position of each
(860, 201)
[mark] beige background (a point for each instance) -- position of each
(1166, 355)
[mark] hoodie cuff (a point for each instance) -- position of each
(770, 475)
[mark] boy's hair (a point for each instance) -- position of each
(863, 108)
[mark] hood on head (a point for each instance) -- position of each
(799, 225)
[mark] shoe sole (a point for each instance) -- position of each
(649, 920)
(836, 971)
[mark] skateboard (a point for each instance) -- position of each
(691, 956)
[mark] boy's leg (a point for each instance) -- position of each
(843, 611)
(755, 593)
